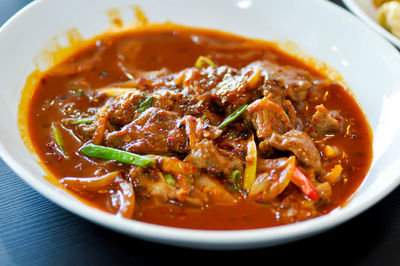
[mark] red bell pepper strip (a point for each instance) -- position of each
(301, 180)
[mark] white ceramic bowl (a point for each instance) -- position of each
(368, 63)
(366, 10)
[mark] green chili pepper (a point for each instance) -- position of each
(86, 120)
(79, 92)
(107, 153)
(233, 116)
(170, 179)
(236, 175)
(58, 139)
(145, 104)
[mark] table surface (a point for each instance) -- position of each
(35, 231)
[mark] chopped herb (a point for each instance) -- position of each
(233, 116)
(58, 139)
(170, 179)
(145, 104)
(203, 59)
(236, 175)
(203, 117)
(234, 188)
(77, 121)
(86, 120)
(79, 92)
(107, 153)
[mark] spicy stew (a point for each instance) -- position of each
(199, 129)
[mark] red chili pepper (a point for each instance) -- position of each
(301, 180)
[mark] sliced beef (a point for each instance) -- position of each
(205, 155)
(298, 88)
(301, 145)
(297, 82)
(122, 109)
(159, 131)
(196, 81)
(152, 183)
(324, 122)
(285, 81)
(268, 117)
(154, 131)
(196, 130)
(238, 87)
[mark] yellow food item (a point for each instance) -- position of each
(251, 164)
(389, 17)
(330, 152)
(333, 176)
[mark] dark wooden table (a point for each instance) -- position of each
(34, 231)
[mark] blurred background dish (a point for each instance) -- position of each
(367, 11)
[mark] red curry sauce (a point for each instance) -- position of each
(71, 91)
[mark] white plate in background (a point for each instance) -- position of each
(365, 9)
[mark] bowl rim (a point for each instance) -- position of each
(196, 238)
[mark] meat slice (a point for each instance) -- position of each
(284, 81)
(122, 109)
(298, 86)
(154, 131)
(238, 87)
(274, 175)
(268, 117)
(205, 155)
(196, 130)
(301, 145)
(324, 122)
(152, 183)
(297, 82)
(196, 81)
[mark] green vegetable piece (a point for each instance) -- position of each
(145, 104)
(58, 139)
(79, 92)
(107, 153)
(203, 59)
(236, 175)
(170, 179)
(87, 120)
(233, 116)
(235, 178)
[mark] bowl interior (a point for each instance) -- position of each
(368, 64)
